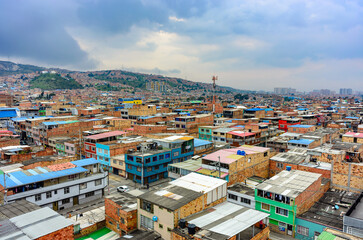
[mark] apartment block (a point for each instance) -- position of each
(237, 164)
(285, 195)
(57, 186)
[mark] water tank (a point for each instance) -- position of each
(191, 229)
(182, 223)
(288, 168)
(155, 218)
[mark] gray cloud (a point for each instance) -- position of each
(37, 30)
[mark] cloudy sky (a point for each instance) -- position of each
(249, 44)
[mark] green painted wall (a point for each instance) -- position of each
(290, 219)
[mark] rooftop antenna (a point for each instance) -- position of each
(214, 79)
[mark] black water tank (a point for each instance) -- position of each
(191, 229)
(182, 223)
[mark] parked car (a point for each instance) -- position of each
(123, 189)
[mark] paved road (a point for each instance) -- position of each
(276, 236)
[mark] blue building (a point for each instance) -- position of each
(103, 155)
(182, 147)
(149, 162)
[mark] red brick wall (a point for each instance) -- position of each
(147, 129)
(64, 233)
(9, 142)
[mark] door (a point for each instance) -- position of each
(289, 229)
(75, 200)
(55, 206)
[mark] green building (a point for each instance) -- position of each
(283, 195)
(205, 132)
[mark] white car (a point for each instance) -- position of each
(123, 189)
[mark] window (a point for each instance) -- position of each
(155, 158)
(156, 167)
(279, 165)
(167, 155)
(330, 157)
(265, 206)
(55, 192)
(90, 194)
(122, 220)
(149, 169)
(202, 129)
(232, 196)
(65, 201)
(105, 151)
(282, 211)
(138, 159)
(302, 230)
(161, 157)
(82, 186)
(93, 149)
(146, 222)
(88, 155)
(246, 201)
(147, 206)
(130, 158)
(165, 165)
(38, 197)
(139, 169)
(175, 154)
(169, 229)
(161, 226)
(129, 166)
(66, 190)
(71, 177)
(265, 154)
(98, 182)
(100, 150)
(87, 147)
(48, 194)
(147, 160)
(120, 163)
(114, 161)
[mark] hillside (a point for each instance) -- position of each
(9, 68)
(117, 79)
(53, 81)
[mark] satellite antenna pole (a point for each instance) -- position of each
(214, 79)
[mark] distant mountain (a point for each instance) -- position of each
(53, 81)
(119, 77)
(9, 68)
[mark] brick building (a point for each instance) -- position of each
(161, 209)
(237, 164)
(121, 213)
(287, 194)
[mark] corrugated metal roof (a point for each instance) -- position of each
(198, 182)
(199, 142)
(40, 222)
(301, 141)
(19, 178)
(85, 162)
(227, 219)
(105, 135)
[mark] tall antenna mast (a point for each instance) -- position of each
(214, 79)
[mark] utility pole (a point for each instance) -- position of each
(80, 145)
(219, 167)
(142, 166)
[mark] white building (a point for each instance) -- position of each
(57, 186)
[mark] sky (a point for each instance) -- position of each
(249, 44)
